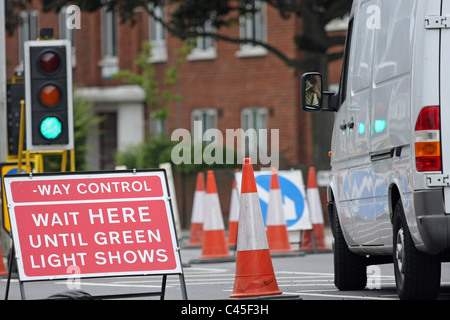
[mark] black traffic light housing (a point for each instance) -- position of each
(15, 92)
(48, 95)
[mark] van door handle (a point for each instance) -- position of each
(350, 124)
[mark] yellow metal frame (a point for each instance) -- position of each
(37, 156)
(27, 157)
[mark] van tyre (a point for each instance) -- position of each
(349, 268)
(417, 275)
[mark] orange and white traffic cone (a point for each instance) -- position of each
(254, 270)
(214, 240)
(196, 238)
(3, 270)
(277, 234)
(315, 207)
(233, 219)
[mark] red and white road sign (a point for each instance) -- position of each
(104, 224)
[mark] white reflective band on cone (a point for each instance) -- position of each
(315, 205)
(197, 211)
(234, 206)
(251, 232)
(213, 213)
(275, 213)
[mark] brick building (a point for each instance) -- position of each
(224, 85)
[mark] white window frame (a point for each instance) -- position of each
(257, 118)
(254, 118)
(157, 36)
(208, 117)
(253, 26)
(158, 127)
(205, 47)
(110, 60)
(67, 33)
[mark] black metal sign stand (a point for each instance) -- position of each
(161, 293)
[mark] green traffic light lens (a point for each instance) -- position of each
(51, 128)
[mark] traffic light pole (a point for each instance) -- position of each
(3, 124)
(4, 237)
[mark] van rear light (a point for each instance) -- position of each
(428, 140)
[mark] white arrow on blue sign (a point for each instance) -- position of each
(295, 204)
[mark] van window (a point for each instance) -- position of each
(394, 40)
(345, 65)
(362, 61)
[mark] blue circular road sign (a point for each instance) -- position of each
(288, 190)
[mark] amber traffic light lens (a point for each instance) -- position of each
(50, 95)
(49, 62)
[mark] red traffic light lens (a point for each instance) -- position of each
(49, 62)
(50, 95)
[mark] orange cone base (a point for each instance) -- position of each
(196, 238)
(232, 233)
(278, 239)
(214, 244)
(254, 274)
(307, 240)
(2, 269)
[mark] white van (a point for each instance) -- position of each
(389, 196)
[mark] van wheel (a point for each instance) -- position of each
(417, 275)
(349, 268)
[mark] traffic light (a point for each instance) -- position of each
(48, 95)
(14, 94)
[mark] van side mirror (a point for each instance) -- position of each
(312, 91)
(313, 94)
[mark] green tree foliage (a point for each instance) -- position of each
(156, 149)
(146, 79)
